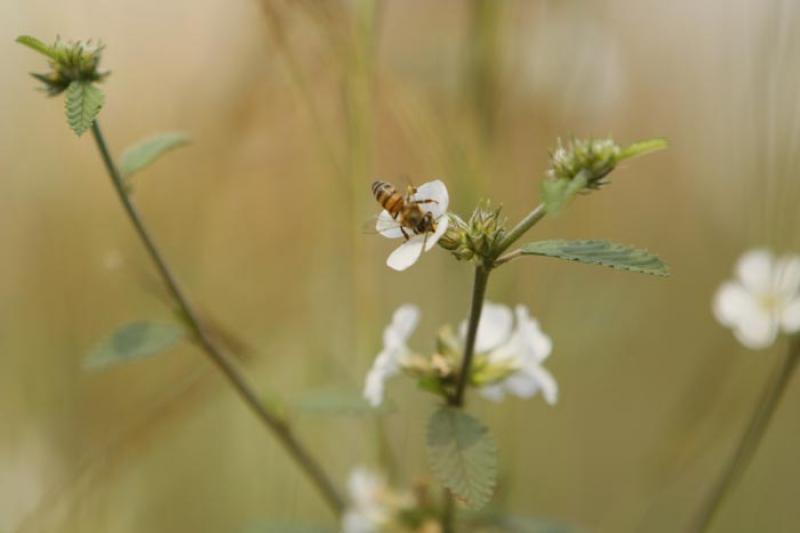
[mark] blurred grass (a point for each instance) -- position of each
(294, 108)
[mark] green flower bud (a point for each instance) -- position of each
(69, 62)
(596, 158)
(485, 230)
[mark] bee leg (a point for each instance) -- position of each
(403, 230)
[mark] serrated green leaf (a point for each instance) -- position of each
(642, 148)
(147, 151)
(330, 401)
(557, 192)
(35, 44)
(598, 252)
(133, 341)
(83, 103)
(462, 455)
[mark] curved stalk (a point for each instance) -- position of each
(748, 445)
(517, 231)
(310, 466)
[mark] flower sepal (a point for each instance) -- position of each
(484, 372)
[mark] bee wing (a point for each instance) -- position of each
(385, 225)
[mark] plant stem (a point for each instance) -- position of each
(271, 420)
(448, 512)
(748, 445)
(478, 294)
(456, 400)
(524, 225)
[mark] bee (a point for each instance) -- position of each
(404, 209)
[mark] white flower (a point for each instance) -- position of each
(523, 348)
(436, 198)
(764, 300)
(368, 511)
(395, 352)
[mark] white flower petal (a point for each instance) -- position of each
(756, 330)
(436, 191)
(433, 238)
(375, 382)
(364, 486)
(404, 322)
(547, 383)
(521, 384)
(406, 254)
(387, 226)
(754, 269)
(787, 276)
(355, 522)
(790, 318)
(367, 512)
(732, 303)
(536, 345)
(494, 327)
(495, 393)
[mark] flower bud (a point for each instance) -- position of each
(486, 230)
(580, 166)
(69, 62)
(595, 157)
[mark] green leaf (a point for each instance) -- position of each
(462, 455)
(556, 192)
(84, 101)
(132, 341)
(147, 151)
(35, 44)
(642, 148)
(604, 253)
(332, 401)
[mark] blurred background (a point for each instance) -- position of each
(294, 107)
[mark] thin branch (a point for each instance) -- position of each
(271, 420)
(748, 445)
(478, 295)
(524, 225)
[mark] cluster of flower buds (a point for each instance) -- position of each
(595, 157)
(478, 238)
(376, 506)
(72, 61)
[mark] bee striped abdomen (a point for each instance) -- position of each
(389, 197)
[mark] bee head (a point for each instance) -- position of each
(426, 223)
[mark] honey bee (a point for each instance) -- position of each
(404, 209)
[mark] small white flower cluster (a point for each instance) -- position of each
(436, 200)
(763, 300)
(374, 506)
(523, 348)
(368, 511)
(520, 348)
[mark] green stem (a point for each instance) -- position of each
(448, 512)
(456, 400)
(748, 445)
(517, 231)
(271, 420)
(478, 295)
